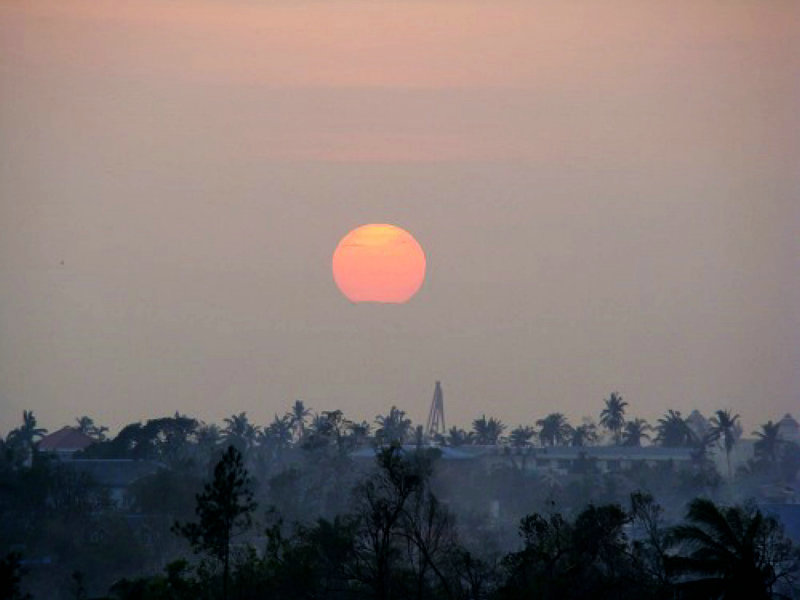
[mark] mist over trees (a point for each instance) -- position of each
(316, 505)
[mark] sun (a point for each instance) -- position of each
(379, 263)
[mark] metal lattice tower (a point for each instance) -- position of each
(436, 416)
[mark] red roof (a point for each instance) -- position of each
(65, 439)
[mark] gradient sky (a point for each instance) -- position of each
(608, 194)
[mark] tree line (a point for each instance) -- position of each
(398, 541)
(299, 424)
(71, 537)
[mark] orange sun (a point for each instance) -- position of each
(379, 263)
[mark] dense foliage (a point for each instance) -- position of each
(318, 506)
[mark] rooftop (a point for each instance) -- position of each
(467, 452)
(66, 439)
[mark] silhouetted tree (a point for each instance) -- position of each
(298, 415)
(554, 430)
(563, 560)
(313, 562)
(208, 437)
(731, 552)
(359, 432)
(672, 431)
(25, 436)
(701, 447)
(176, 584)
(239, 432)
(725, 427)
(612, 417)
(583, 435)
(381, 504)
(635, 431)
(392, 428)
(132, 441)
(277, 436)
(487, 431)
(650, 544)
(332, 430)
(169, 439)
(767, 447)
(428, 529)
(458, 437)
(224, 510)
(521, 436)
(86, 426)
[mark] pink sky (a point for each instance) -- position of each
(606, 193)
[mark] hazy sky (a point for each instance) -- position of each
(608, 194)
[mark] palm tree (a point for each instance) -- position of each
(521, 436)
(27, 434)
(731, 552)
(281, 430)
(458, 437)
(584, 435)
(318, 423)
(700, 449)
(298, 415)
(239, 432)
(393, 428)
(635, 432)
(359, 432)
(769, 443)
(277, 436)
(672, 431)
(725, 427)
(554, 430)
(612, 417)
(86, 426)
(487, 432)
(326, 428)
(336, 427)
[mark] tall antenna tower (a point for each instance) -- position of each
(436, 416)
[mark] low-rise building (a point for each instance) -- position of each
(65, 442)
(605, 458)
(560, 458)
(789, 429)
(115, 475)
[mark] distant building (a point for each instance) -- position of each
(789, 429)
(65, 442)
(559, 458)
(446, 452)
(606, 459)
(698, 424)
(113, 475)
(465, 467)
(116, 475)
